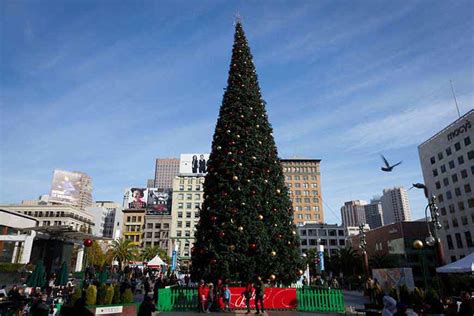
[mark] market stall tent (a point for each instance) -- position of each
(464, 265)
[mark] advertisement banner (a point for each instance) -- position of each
(66, 187)
(158, 202)
(394, 278)
(135, 198)
(193, 164)
(274, 298)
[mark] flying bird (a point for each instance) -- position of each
(387, 167)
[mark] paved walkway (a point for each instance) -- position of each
(269, 313)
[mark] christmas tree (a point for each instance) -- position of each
(246, 225)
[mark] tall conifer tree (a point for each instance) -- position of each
(246, 222)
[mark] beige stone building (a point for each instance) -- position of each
(303, 179)
(133, 225)
(187, 200)
(157, 231)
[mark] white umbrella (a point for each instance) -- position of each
(464, 265)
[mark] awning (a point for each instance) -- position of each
(156, 262)
(464, 265)
(63, 232)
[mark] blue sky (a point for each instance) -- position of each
(106, 87)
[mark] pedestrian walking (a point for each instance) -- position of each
(202, 296)
(146, 307)
(226, 298)
(210, 298)
(259, 294)
(248, 295)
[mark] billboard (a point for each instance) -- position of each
(193, 164)
(394, 278)
(155, 201)
(66, 187)
(158, 202)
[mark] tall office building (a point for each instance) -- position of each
(373, 213)
(113, 218)
(303, 179)
(395, 205)
(353, 213)
(165, 171)
(447, 162)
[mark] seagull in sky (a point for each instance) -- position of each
(388, 167)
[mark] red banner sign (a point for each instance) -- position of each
(274, 298)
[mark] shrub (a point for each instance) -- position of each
(10, 267)
(109, 295)
(127, 296)
(76, 295)
(101, 294)
(116, 298)
(91, 295)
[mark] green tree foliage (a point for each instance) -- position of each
(378, 261)
(91, 295)
(150, 252)
(246, 222)
(123, 250)
(127, 296)
(95, 255)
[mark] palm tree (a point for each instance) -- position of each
(150, 252)
(378, 261)
(123, 250)
(349, 261)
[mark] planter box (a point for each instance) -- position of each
(115, 310)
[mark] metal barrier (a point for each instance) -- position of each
(320, 300)
(177, 299)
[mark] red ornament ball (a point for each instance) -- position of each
(253, 246)
(213, 218)
(88, 242)
(221, 234)
(213, 261)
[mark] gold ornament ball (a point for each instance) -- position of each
(219, 147)
(260, 217)
(417, 244)
(300, 272)
(238, 136)
(231, 247)
(229, 153)
(278, 191)
(258, 126)
(293, 232)
(241, 229)
(235, 178)
(273, 253)
(266, 181)
(240, 164)
(254, 158)
(276, 225)
(272, 277)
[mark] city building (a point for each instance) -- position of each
(331, 236)
(56, 215)
(373, 213)
(98, 214)
(303, 179)
(157, 231)
(165, 171)
(150, 183)
(353, 213)
(16, 246)
(447, 162)
(394, 242)
(355, 230)
(133, 225)
(71, 188)
(395, 205)
(113, 219)
(186, 202)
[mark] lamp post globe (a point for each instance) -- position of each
(430, 241)
(417, 244)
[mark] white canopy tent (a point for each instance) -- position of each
(464, 265)
(156, 262)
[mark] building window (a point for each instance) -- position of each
(467, 188)
(457, 191)
(189, 196)
(438, 185)
(445, 224)
(178, 233)
(451, 164)
(454, 177)
(455, 222)
(435, 172)
(450, 242)
(188, 214)
(467, 141)
(468, 237)
(307, 216)
(433, 160)
(464, 174)
(464, 220)
(460, 160)
(461, 206)
(446, 182)
(470, 155)
(458, 241)
(443, 169)
(440, 197)
(180, 205)
(448, 151)
(189, 206)
(149, 225)
(158, 225)
(451, 208)
(342, 242)
(179, 224)
(181, 187)
(449, 196)
(457, 146)
(180, 214)
(304, 242)
(188, 224)
(440, 156)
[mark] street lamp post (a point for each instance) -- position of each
(363, 245)
(418, 245)
(434, 215)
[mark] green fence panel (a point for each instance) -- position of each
(164, 300)
(319, 300)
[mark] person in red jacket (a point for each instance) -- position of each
(202, 296)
